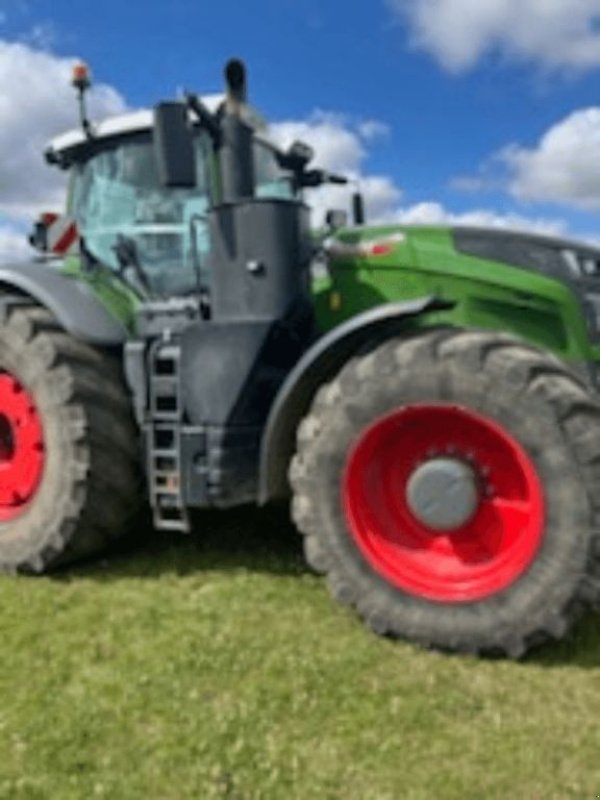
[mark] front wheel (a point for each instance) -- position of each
(446, 484)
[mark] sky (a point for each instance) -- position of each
(445, 111)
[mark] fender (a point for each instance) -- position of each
(71, 301)
(317, 366)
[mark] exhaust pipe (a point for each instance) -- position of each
(236, 151)
(235, 83)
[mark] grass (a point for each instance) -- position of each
(215, 666)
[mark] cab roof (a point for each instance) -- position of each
(63, 148)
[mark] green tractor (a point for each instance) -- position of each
(427, 403)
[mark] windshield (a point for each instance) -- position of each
(117, 192)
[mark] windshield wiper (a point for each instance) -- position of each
(127, 255)
(92, 264)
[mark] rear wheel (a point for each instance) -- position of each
(68, 451)
(447, 486)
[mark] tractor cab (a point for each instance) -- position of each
(203, 218)
(154, 236)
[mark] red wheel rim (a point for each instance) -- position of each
(478, 559)
(21, 448)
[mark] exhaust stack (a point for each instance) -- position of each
(235, 82)
(236, 152)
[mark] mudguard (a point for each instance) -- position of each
(317, 366)
(71, 301)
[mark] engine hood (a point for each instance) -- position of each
(390, 245)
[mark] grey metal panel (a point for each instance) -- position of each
(218, 361)
(71, 301)
(260, 254)
(318, 365)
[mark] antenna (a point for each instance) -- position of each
(81, 80)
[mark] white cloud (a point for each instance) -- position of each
(37, 102)
(431, 213)
(564, 166)
(555, 34)
(341, 146)
(338, 145)
(30, 118)
(13, 243)
(371, 129)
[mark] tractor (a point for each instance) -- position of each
(423, 398)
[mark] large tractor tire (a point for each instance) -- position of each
(448, 485)
(68, 475)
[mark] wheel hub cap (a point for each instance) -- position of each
(442, 494)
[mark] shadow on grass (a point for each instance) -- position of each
(265, 541)
(581, 648)
(260, 540)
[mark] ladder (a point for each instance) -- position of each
(164, 439)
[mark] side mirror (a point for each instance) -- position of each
(174, 146)
(296, 157)
(300, 153)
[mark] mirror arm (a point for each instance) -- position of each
(317, 177)
(207, 120)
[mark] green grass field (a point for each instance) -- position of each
(216, 666)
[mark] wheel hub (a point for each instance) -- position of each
(442, 494)
(443, 502)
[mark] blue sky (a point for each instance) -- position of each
(457, 95)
